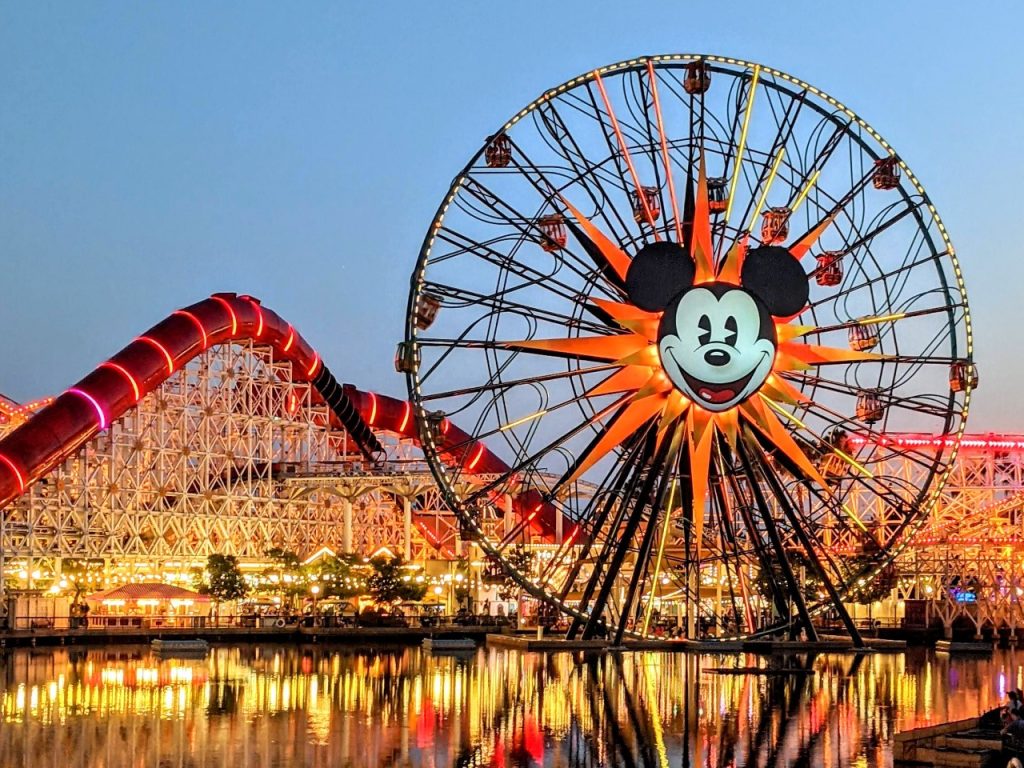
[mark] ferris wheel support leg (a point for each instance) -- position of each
(787, 507)
(773, 534)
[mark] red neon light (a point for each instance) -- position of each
(291, 339)
(293, 404)
(572, 535)
(99, 409)
(476, 459)
(231, 311)
(259, 316)
(17, 473)
(315, 365)
(195, 320)
(124, 371)
(373, 409)
(406, 412)
(163, 349)
(444, 426)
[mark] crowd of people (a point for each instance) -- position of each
(1012, 716)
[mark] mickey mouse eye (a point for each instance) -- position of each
(732, 332)
(704, 325)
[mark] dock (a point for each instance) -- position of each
(971, 743)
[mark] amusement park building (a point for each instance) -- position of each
(221, 431)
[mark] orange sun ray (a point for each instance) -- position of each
(730, 271)
(768, 423)
(605, 348)
(701, 429)
(636, 414)
(627, 379)
(703, 255)
(615, 256)
(813, 354)
(801, 247)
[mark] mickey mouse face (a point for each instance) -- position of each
(717, 341)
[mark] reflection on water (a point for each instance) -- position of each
(254, 706)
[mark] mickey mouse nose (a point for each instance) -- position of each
(717, 357)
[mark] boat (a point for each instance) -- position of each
(180, 647)
(435, 644)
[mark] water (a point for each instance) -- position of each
(250, 706)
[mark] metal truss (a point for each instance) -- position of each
(230, 455)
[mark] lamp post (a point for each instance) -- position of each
(314, 590)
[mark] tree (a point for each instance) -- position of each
(337, 576)
(222, 579)
(388, 584)
(521, 560)
(287, 572)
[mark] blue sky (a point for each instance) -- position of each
(152, 153)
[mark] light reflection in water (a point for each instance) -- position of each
(251, 706)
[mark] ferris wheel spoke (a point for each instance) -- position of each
(508, 384)
(888, 319)
(663, 141)
(461, 298)
(532, 277)
(586, 175)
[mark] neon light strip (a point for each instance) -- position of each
(124, 372)
(373, 409)
(1010, 443)
(881, 319)
(259, 317)
(406, 413)
(625, 153)
(575, 532)
(99, 409)
(163, 350)
(231, 311)
(664, 151)
(17, 473)
(767, 187)
(807, 188)
(737, 168)
(291, 339)
(315, 365)
(476, 460)
(523, 420)
(194, 319)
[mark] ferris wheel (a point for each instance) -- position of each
(683, 299)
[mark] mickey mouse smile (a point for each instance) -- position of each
(715, 394)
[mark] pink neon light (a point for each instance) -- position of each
(195, 320)
(163, 349)
(17, 473)
(476, 459)
(231, 311)
(315, 365)
(99, 410)
(406, 412)
(1006, 442)
(291, 339)
(122, 370)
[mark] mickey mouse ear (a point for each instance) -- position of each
(775, 276)
(659, 273)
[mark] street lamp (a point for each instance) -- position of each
(314, 590)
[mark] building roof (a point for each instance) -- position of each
(147, 591)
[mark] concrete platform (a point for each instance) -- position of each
(767, 647)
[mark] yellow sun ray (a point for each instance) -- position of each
(814, 354)
(730, 271)
(781, 438)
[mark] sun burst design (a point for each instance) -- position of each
(647, 393)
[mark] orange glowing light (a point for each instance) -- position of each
(17, 473)
(259, 316)
(476, 459)
(373, 409)
(194, 319)
(647, 397)
(162, 349)
(406, 414)
(231, 312)
(291, 339)
(315, 365)
(124, 372)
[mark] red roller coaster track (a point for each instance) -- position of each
(46, 439)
